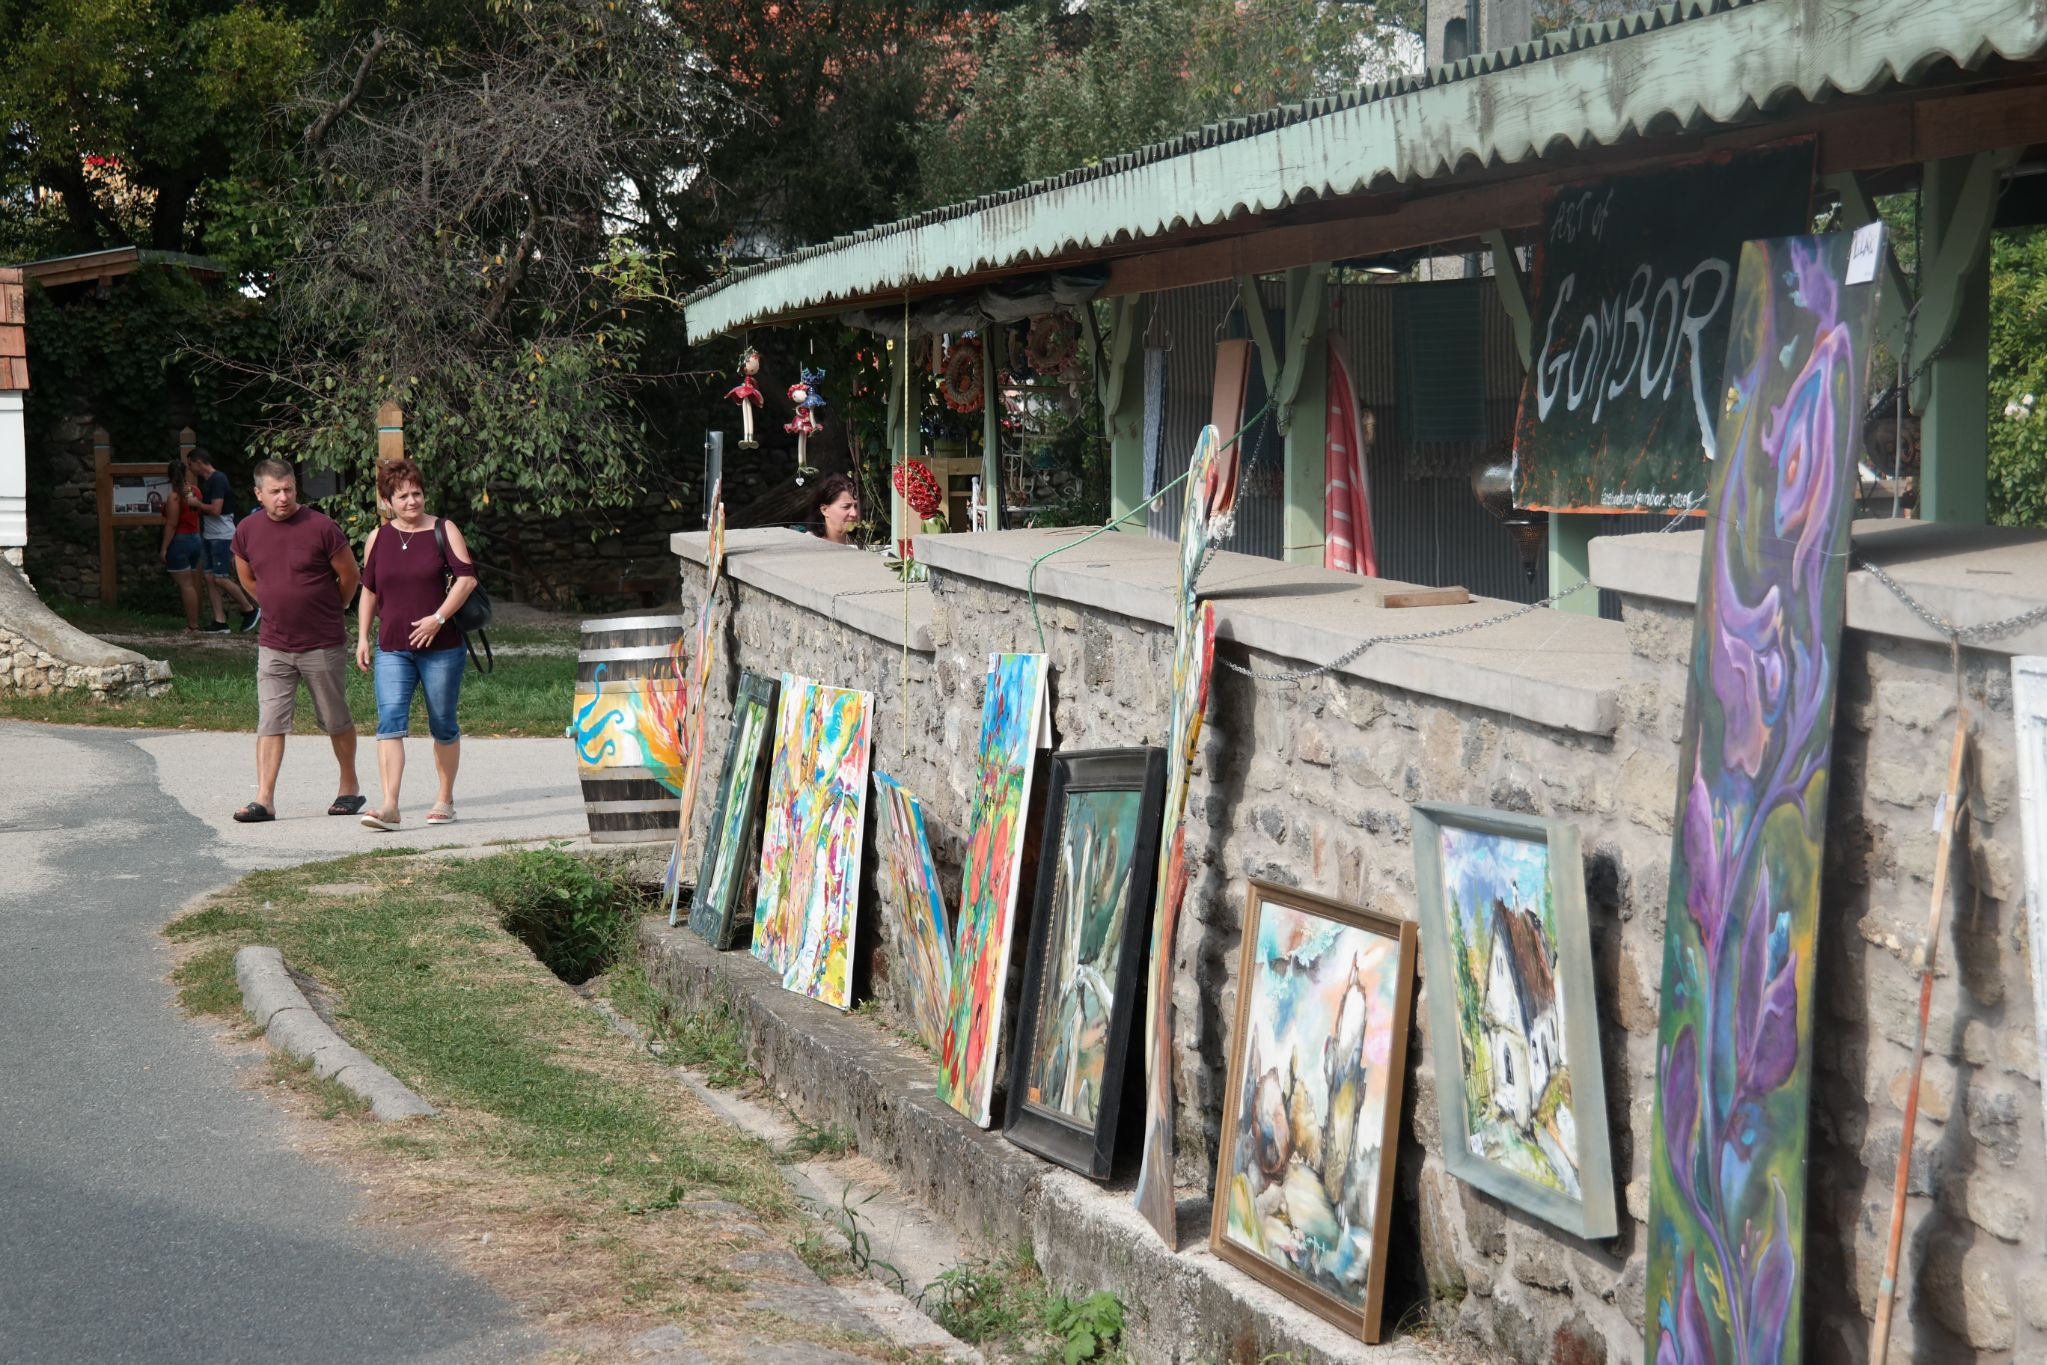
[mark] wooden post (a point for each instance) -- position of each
(1570, 559)
(1123, 406)
(1302, 402)
(994, 360)
(898, 443)
(103, 487)
(188, 440)
(1957, 201)
(390, 432)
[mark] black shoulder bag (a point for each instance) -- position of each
(474, 613)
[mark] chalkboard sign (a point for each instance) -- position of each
(1633, 293)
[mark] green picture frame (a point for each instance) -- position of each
(1513, 1012)
(721, 912)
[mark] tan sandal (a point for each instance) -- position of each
(387, 823)
(441, 814)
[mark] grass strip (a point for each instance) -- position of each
(213, 684)
(562, 1148)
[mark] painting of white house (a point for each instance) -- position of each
(1510, 1012)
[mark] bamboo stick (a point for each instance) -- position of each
(1887, 1287)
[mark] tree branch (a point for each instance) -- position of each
(502, 295)
(317, 133)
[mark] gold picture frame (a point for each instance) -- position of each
(1311, 1114)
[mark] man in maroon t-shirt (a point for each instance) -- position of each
(297, 566)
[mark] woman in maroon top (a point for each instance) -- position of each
(416, 587)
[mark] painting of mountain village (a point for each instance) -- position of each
(1510, 1014)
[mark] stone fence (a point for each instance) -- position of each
(1310, 783)
(41, 653)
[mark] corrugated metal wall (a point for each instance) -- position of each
(1429, 527)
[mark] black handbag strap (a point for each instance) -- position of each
(472, 638)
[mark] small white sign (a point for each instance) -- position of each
(1863, 253)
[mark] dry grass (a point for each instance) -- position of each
(564, 1161)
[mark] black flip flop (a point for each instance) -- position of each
(348, 805)
(254, 813)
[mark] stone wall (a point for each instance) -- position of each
(63, 525)
(40, 653)
(1310, 786)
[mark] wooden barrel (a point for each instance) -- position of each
(623, 726)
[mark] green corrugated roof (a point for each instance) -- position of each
(1683, 66)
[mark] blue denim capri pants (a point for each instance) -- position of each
(437, 672)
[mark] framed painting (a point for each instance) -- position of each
(920, 939)
(808, 895)
(1012, 726)
(722, 909)
(1084, 973)
(1508, 955)
(1311, 1117)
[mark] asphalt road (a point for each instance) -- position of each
(151, 1207)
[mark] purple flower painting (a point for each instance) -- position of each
(1727, 1204)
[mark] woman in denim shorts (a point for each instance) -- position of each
(415, 590)
(183, 552)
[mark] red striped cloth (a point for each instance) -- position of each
(1347, 537)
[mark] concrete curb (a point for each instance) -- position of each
(280, 1009)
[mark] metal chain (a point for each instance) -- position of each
(1987, 630)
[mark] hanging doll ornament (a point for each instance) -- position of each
(803, 393)
(748, 397)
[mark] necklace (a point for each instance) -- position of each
(405, 537)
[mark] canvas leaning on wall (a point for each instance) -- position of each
(809, 892)
(1084, 975)
(722, 910)
(1304, 1180)
(1507, 955)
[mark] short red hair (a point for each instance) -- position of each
(394, 474)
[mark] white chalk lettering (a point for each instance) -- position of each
(1549, 365)
(1632, 339)
(1696, 320)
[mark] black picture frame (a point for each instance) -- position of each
(721, 912)
(1059, 1135)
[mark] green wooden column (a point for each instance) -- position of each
(995, 359)
(1570, 559)
(1570, 537)
(899, 414)
(1294, 360)
(1958, 199)
(1122, 396)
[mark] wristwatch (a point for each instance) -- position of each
(440, 619)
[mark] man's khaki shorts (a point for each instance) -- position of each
(325, 673)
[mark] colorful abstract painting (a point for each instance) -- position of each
(1012, 716)
(1211, 498)
(630, 723)
(1522, 1097)
(690, 721)
(920, 941)
(722, 908)
(808, 894)
(1734, 1042)
(1304, 1178)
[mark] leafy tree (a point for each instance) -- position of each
(2018, 378)
(830, 96)
(452, 212)
(1055, 88)
(124, 118)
